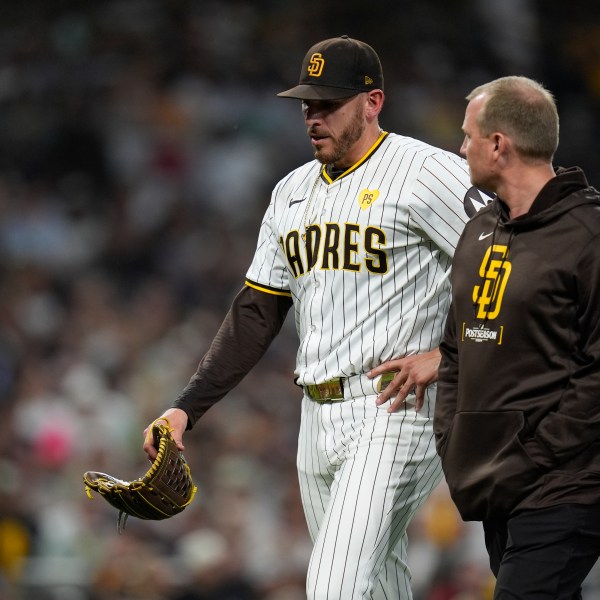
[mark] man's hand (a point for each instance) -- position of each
(414, 373)
(178, 422)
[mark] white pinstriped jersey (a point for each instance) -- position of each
(366, 257)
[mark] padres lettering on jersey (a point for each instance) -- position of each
(366, 257)
(335, 246)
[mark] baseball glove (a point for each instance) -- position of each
(165, 490)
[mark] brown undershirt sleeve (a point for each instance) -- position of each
(251, 324)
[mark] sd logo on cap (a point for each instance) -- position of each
(337, 68)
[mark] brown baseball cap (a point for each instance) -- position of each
(337, 68)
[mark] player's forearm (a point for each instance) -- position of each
(254, 319)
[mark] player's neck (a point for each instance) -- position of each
(333, 171)
(362, 147)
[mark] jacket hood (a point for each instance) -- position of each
(554, 199)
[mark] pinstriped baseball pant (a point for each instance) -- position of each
(363, 474)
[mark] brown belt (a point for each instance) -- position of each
(333, 390)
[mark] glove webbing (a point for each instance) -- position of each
(139, 484)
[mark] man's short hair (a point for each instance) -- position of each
(524, 110)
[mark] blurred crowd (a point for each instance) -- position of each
(139, 142)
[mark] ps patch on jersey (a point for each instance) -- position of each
(367, 197)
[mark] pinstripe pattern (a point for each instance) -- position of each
(375, 317)
(363, 474)
(366, 260)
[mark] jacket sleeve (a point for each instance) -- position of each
(253, 321)
(575, 424)
(447, 386)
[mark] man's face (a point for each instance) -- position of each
(334, 128)
(476, 148)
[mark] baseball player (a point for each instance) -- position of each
(358, 243)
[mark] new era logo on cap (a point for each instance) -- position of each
(337, 68)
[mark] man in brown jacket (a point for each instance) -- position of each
(517, 419)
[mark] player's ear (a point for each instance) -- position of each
(374, 102)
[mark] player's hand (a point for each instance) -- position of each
(177, 420)
(414, 373)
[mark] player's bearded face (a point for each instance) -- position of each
(336, 141)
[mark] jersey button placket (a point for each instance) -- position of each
(316, 286)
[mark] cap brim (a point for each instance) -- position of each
(318, 92)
